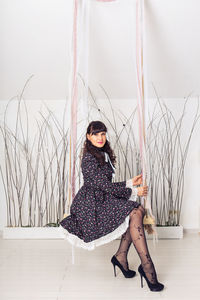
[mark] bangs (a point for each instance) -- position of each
(97, 127)
(98, 130)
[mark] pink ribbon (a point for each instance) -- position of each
(140, 85)
(74, 100)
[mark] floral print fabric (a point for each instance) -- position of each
(100, 206)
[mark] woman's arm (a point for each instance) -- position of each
(94, 174)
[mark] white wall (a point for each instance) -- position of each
(35, 38)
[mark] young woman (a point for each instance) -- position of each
(102, 211)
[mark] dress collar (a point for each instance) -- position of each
(107, 158)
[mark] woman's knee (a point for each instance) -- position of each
(142, 209)
(139, 211)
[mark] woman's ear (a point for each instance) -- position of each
(88, 136)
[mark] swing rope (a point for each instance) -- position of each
(142, 104)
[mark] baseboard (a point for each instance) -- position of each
(32, 233)
(167, 232)
(53, 232)
(191, 230)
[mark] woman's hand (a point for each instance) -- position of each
(137, 180)
(142, 190)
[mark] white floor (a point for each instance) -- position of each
(42, 269)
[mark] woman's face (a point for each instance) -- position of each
(97, 139)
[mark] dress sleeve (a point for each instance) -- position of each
(94, 175)
(134, 194)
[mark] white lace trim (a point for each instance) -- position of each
(76, 241)
(133, 196)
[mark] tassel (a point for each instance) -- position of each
(150, 226)
(149, 229)
(149, 223)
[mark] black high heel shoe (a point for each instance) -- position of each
(154, 287)
(127, 274)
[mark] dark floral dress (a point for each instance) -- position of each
(100, 210)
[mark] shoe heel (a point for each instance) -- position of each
(127, 273)
(114, 270)
(141, 277)
(154, 287)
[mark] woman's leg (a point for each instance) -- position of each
(124, 246)
(139, 240)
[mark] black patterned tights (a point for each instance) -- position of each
(135, 234)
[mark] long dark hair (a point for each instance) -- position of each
(93, 128)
